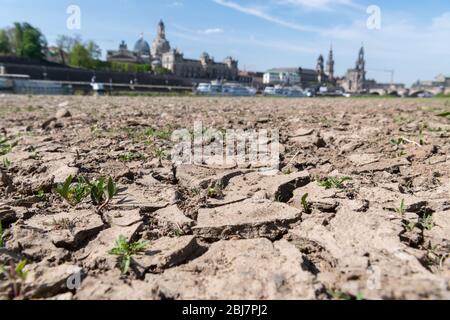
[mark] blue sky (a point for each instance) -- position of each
(413, 39)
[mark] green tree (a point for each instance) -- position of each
(81, 57)
(161, 71)
(94, 50)
(5, 44)
(29, 42)
(66, 44)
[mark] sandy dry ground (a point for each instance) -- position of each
(227, 232)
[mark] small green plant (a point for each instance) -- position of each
(164, 134)
(402, 208)
(21, 274)
(161, 154)
(35, 156)
(125, 250)
(443, 114)
(103, 191)
(6, 163)
(427, 222)
(73, 194)
(132, 156)
(2, 236)
(41, 195)
(212, 193)
(339, 295)
(409, 225)
(178, 233)
(421, 137)
(287, 171)
(64, 189)
(305, 204)
(17, 275)
(397, 142)
(5, 147)
(337, 183)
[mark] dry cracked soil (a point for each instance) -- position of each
(217, 231)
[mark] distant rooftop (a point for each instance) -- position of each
(293, 70)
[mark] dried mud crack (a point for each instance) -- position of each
(359, 209)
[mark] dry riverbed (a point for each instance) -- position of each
(360, 209)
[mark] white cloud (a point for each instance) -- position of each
(319, 4)
(442, 22)
(177, 4)
(211, 31)
(265, 16)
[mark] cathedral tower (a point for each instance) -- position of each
(160, 44)
(330, 66)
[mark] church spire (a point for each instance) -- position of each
(330, 65)
(161, 29)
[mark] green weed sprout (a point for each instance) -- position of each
(125, 250)
(337, 183)
(2, 236)
(305, 203)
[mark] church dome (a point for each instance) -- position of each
(142, 47)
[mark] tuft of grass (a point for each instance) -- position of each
(443, 114)
(397, 142)
(427, 222)
(19, 270)
(5, 147)
(2, 236)
(178, 233)
(402, 208)
(6, 163)
(337, 183)
(125, 250)
(132, 156)
(421, 137)
(17, 275)
(339, 295)
(305, 204)
(163, 134)
(161, 154)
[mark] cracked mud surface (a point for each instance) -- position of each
(384, 234)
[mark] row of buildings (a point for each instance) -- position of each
(160, 54)
(323, 75)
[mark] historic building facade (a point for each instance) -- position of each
(140, 55)
(160, 45)
(330, 66)
(355, 79)
(162, 55)
(204, 68)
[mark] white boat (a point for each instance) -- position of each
(279, 91)
(217, 89)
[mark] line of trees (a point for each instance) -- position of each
(25, 41)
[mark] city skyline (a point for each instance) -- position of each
(264, 34)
